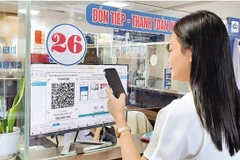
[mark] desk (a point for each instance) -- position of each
(152, 98)
(108, 154)
(151, 114)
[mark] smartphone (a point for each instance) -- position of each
(114, 82)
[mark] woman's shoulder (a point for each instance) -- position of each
(182, 108)
(178, 128)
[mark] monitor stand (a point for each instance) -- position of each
(81, 147)
(87, 146)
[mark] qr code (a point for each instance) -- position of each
(63, 95)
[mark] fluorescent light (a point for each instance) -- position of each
(33, 12)
(115, 4)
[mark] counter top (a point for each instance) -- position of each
(157, 90)
(105, 154)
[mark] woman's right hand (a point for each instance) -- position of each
(116, 106)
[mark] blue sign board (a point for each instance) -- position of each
(167, 82)
(233, 30)
(234, 34)
(233, 26)
(105, 16)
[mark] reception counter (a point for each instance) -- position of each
(111, 153)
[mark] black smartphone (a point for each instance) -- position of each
(114, 82)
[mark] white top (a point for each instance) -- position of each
(236, 60)
(179, 134)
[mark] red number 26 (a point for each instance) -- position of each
(73, 43)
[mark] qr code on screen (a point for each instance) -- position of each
(63, 95)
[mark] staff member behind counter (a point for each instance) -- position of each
(205, 123)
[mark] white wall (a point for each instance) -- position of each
(46, 24)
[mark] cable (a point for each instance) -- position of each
(57, 141)
(76, 136)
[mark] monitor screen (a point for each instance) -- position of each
(68, 98)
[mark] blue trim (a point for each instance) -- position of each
(92, 114)
(123, 77)
(56, 124)
(39, 83)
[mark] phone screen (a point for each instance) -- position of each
(114, 81)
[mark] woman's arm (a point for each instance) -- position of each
(128, 148)
(117, 109)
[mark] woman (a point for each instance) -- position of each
(205, 123)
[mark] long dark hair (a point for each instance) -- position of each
(212, 77)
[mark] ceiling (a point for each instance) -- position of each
(223, 9)
(75, 9)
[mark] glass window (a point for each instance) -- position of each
(12, 78)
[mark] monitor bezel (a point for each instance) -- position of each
(62, 132)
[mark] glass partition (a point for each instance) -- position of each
(149, 80)
(12, 78)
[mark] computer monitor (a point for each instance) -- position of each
(70, 98)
